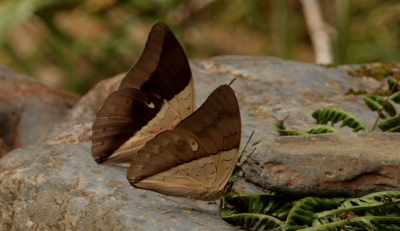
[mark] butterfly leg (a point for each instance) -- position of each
(169, 210)
(162, 195)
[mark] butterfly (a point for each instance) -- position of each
(155, 95)
(197, 157)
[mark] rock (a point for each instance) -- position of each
(28, 109)
(328, 165)
(77, 125)
(267, 87)
(55, 184)
(60, 187)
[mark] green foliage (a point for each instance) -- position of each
(393, 84)
(390, 125)
(317, 129)
(395, 97)
(383, 106)
(377, 71)
(256, 212)
(351, 91)
(335, 115)
(321, 128)
(14, 12)
(255, 221)
(376, 211)
(82, 42)
(284, 132)
(377, 103)
(270, 204)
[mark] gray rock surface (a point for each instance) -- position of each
(268, 86)
(55, 184)
(331, 165)
(28, 109)
(59, 187)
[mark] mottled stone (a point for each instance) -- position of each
(332, 165)
(77, 125)
(60, 187)
(28, 109)
(268, 86)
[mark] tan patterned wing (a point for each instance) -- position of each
(197, 157)
(155, 95)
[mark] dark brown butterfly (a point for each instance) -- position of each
(197, 157)
(155, 95)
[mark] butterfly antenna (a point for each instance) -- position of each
(245, 146)
(238, 169)
(280, 123)
(247, 157)
(233, 80)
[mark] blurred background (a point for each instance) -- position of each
(73, 44)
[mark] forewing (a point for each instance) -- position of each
(163, 67)
(217, 124)
(116, 121)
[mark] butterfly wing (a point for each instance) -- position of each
(154, 96)
(196, 158)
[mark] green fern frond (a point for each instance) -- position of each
(334, 115)
(375, 103)
(284, 132)
(395, 97)
(321, 129)
(391, 82)
(251, 221)
(390, 125)
(377, 210)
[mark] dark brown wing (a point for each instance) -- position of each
(160, 89)
(218, 123)
(196, 158)
(163, 56)
(116, 121)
